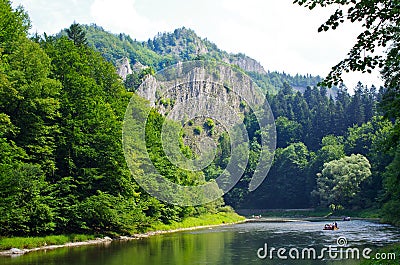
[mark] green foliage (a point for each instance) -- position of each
(284, 187)
(332, 149)
(242, 104)
(62, 167)
(272, 82)
(392, 193)
(76, 34)
(134, 80)
(380, 28)
(115, 46)
(34, 242)
(339, 182)
(89, 154)
(181, 45)
(28, 113)
(306, 117)
(24, 205)
(13, 23)
(288, 131)
(104, 213)
(166, 102)
(311, 116)
(224, 216)
(30, 100)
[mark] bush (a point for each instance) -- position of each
(104, 213)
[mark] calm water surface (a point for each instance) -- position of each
(227, 245)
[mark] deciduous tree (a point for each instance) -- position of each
(339, 182)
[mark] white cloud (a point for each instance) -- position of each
(284, 37)
(53, 16)
(121, 16)
(280, 35)
(283, 29)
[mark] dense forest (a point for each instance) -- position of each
(318, 128)
(314, 129)
(62, 167)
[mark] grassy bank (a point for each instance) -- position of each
(202, 220)
(392, 249)
(33, 242)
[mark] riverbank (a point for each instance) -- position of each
(312, 214)
(22, 245)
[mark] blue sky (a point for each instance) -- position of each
(280, 35)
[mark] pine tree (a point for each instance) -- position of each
(356, 108)
(77, 34)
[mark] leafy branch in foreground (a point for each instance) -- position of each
(380, 23)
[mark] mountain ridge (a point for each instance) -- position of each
(184, 44)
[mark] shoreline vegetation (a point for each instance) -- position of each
(63, 167)
(312, 215)
(366, 214)
(14, 246)
(22, 245)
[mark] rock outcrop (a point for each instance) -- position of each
(138, 66)
(246, 63)
(222, 84)
(123, 68)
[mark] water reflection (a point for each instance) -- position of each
(226, 245)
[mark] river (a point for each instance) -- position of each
(244, 244)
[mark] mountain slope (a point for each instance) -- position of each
(185, 44)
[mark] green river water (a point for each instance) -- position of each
(243, 244)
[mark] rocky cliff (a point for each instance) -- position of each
(123, 68)
(246, 63)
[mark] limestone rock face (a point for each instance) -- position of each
(148, 90)
(248, 64)
(202, 89)
(138, 66)
(123, 68)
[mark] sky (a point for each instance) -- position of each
(280, 35)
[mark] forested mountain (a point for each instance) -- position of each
(315, 125)
(164, 49)
(183, 45)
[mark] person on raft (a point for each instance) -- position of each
(331, 226)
